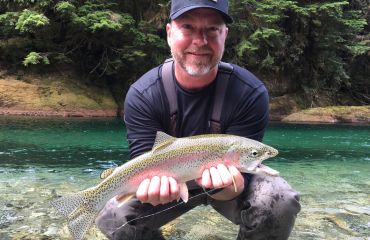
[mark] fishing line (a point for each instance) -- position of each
(176, 205)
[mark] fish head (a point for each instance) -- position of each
(252, 150)
(252, 153)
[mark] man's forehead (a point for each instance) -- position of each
(206, 13)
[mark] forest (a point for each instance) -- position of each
(318, 49)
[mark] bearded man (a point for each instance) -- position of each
(198, 85)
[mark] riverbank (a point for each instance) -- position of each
(61, 95)
(336, 114)
(54, 94)
(59, 113)
(333, 114)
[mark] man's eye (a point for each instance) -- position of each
(187, 27)
(213, 29)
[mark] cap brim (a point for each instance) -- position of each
(177, 14)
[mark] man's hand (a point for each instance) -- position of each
(162, 190)
(158, 190)
(222, 177)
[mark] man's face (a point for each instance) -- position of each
(197, 40)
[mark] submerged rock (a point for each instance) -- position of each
(7, 217)
(4, 236)
(353, 225)
(51, 231)
(37, 215)
(341, 223)
(358, 209)
(200, 223)
(30, 236)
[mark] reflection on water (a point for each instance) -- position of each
(43, 158)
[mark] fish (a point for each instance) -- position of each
(184, 159)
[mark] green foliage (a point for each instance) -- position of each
(66, 9)
(15, 5)
(30, 21)
(94, 17)
(263, 40)
(35, 58)
(333, 40)
(100, 20)
(309, 45)
(8, 22)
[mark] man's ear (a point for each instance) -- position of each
(169, 33)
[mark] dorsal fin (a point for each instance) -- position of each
(162, 140)
(106, 173)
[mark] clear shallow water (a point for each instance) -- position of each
(41, 158)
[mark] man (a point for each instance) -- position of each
(264, 207)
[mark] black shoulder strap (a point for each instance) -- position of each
(170, 90)
(224, 72)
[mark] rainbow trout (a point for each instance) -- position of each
(184, 159)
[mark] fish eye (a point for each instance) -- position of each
(254, 153)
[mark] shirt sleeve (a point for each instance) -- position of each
(251, 116)
(142, 123)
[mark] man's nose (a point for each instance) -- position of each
(200, 38)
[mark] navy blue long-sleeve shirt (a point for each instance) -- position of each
(146, 109)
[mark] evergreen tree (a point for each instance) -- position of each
(308, 44)
(314, 47)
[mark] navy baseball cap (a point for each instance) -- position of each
(179, 7)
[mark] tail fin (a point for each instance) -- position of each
(79, 214)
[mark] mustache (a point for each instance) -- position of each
(201, 50)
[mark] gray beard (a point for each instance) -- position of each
(200, 69)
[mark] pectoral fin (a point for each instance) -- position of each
(184, 192)
(258, 168)
(266, 170)
(122, 199)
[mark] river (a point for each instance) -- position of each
(41, 158)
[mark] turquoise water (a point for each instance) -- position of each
(41, 158)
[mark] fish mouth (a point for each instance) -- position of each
(272, 152)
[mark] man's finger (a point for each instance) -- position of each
(234, 172)
(206, 179)
(154, 190)
(174, 189)
(142, 191)
(224, 174)
(216, 178)
(164, 192)
(238, 179)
